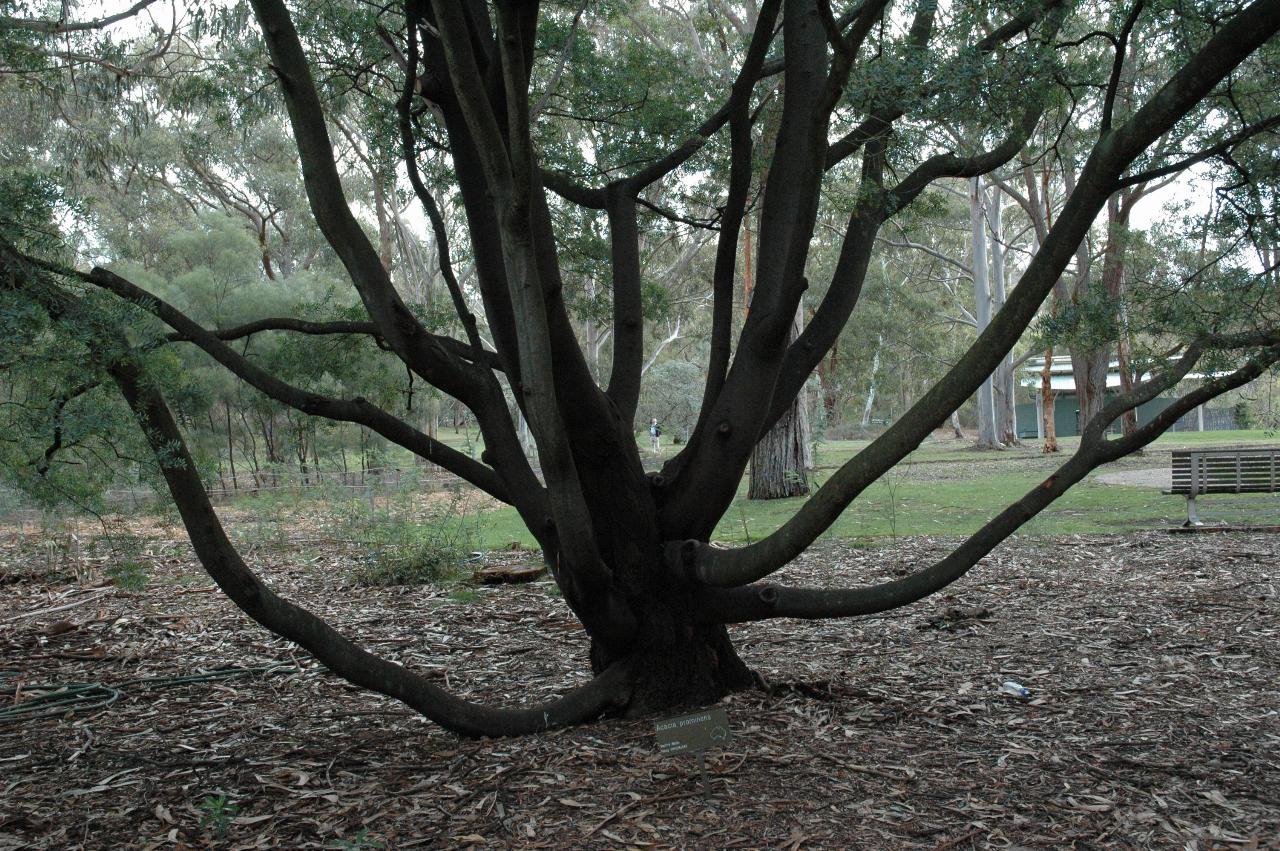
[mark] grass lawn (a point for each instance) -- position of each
(946, 488)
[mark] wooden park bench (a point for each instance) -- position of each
(1223, 470)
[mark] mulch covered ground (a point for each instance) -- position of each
(1153, 718)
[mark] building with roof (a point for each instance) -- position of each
(1066, 409)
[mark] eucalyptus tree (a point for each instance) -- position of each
(864, 93)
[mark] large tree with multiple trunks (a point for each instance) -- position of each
(874, 97)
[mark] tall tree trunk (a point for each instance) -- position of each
(1048, 424)
(1119, 207)
(987, 438)
(231, 447)
(1003, 379)
(783, 456)
(1129, 419)
(782, 459)
(871, 386)
(827, 380)
(386, 233)
(1089, 367)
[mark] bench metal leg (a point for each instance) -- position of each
(1193, 519)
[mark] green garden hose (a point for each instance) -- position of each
(50, 700)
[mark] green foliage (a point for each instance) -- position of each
(411, 554)
(672, 392)
(1089, 324)
(125, 566)
(464, 595)
(128, 575)
(216, 814)
(401, 549)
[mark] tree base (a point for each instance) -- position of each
(664, 675)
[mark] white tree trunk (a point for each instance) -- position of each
(982, 308)
(1005, 398)
(871, 390)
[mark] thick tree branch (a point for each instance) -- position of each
(628, 311)
(734, 211)
(409, 151)
(402, 331)
(758, 602)
(1233, 42)
(509, 170)
(460, 349)
(338, 653)
(568, 189)
(355, 411)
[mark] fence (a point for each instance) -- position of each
(430, 478)
(16, 507)
(1215, 419)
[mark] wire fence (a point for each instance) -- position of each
(290, 479)
(370, 483)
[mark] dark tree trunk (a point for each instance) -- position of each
(780, 463)
(675, 660)
(1089, 367)
(783, 457)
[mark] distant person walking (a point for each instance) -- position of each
(655, 435)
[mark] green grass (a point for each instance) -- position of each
(464, 595)
(942, 488)
(946, 488)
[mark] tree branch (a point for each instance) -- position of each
(1117, 66)
(402, 331)
(61, 26)
(409, 152)
(628, 311)
(1242, 135)
(1228, 47)
(334, 650)
(355, 411)
(758, 602)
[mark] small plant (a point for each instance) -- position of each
(464, 595)
(218, 813)
(128, 575)
(746, 530)
(359, 841)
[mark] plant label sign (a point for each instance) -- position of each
(693, 733)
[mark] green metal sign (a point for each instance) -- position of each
(696, 732)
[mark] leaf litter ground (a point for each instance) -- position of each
(1153, 718)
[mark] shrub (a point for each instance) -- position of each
(1243, 414)
(411, 554)
(130, 575)
(401, 551)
